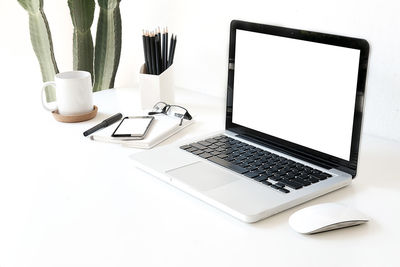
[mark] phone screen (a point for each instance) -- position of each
(133, 126)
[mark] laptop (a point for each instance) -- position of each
(293, 121)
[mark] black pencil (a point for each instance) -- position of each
(157, 54)
(152, 53)
(172, 50)
(159, 51)
(146, 50)
(144, 47)
(165, 49)
(148, 53)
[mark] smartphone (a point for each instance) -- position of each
(133, 127)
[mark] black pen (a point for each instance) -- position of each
(104, 124)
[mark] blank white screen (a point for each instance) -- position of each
(133, 126)
(299, 91)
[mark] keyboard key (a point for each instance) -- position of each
(299, 165)
(275, 177)
(255, 173)
(280, 184)
(257, 164)
(260, 178)
(266, 182)
(227, 164)
(303, 176)
(301, 181)
(237, 162)
(269, 174)
(252, 174)
(284, 190)
(244, 165)
(197, 152)
(215, 153)
(222, 155)
(211, 140)
(314, 171)
(319, 176)
(241, 158)
(191, 149)
(313, 180)
(291, 184)
(198, 146)
(185, 147)
(205, 155)
(274, 169)
(230, 158)
(289, 176)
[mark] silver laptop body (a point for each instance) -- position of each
(293, 119)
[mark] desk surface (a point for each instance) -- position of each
(68, 201)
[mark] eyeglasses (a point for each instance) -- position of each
(171, 110)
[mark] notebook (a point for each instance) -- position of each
(161, 129)
(293, 123)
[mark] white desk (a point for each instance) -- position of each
(68, 201)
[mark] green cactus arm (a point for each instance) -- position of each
(41, 42)
(108, 44)
(82, 14)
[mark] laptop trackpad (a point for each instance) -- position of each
(202, 176)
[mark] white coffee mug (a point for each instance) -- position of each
(73, 92)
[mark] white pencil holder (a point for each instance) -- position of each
(155, 88)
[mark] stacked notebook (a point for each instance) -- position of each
(162, 128)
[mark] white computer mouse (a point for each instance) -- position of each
(325, 217)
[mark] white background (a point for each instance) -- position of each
(202, 48)
(302, 92)
(98, 218)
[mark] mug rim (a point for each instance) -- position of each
(73, 75)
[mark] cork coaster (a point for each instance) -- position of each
(75, 118)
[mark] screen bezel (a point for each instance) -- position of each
(302, 152)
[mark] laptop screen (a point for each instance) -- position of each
(300, 91)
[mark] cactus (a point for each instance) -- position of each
(82, 13)
(41, 42)
(108, 44)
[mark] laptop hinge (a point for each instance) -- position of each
(296, 154)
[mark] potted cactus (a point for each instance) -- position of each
(101, 60)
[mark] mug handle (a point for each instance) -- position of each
(42, 94)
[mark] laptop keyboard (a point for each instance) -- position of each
(265, 167)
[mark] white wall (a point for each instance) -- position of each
(203, 30)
